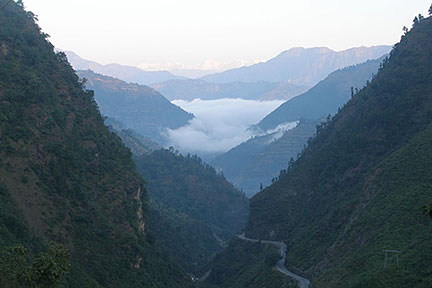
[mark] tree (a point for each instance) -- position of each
(415, 21)
(18, 269)
(430, 11)
(420, 17)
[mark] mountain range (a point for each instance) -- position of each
(129, 74)
(260, 159)
(325, 97)
(299, 66)
(260, 90)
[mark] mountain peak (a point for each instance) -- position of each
(298, 51)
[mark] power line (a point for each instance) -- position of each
(4, 5)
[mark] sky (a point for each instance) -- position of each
(216, 35)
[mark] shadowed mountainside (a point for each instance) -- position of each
(63, 175)
(139, 107)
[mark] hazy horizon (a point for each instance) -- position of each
(192, 34)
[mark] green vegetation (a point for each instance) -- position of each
(139, 107)
(247, 264)
(359, 186)
(45, 271)
(193, 209)
(64, 176)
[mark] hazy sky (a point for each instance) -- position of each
(203, 33)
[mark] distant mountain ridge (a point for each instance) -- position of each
(139, 107)
(126, 73)
(197, 88)
(325, 97)
(300, 66)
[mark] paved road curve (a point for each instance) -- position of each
(280, 265)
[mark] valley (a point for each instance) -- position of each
(301, 170)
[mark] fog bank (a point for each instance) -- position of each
(219, 125)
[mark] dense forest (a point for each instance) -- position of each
(64, 177)
(194, 211)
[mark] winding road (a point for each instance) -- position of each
(280, 265)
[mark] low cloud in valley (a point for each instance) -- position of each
(218, 125)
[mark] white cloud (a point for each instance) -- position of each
(280, 130)
(218, 125)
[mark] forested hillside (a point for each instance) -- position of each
(193, 210)
(63, 175)
(359, 186)
(139, 107)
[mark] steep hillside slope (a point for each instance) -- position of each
(325, 97)
(193, 210)
(261, 90)
(138, 107)
(358, 187)
(63, 175)
(256, 162)
(126, 73)
(300, 66)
